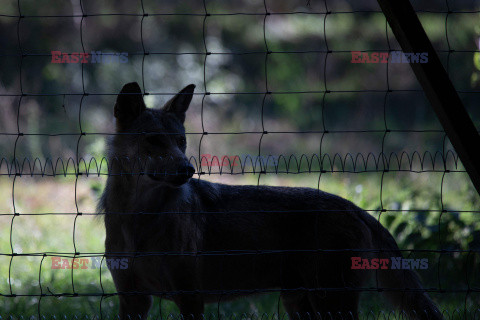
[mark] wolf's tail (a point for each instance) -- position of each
(402, 286)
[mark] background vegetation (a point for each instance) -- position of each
(356, 113)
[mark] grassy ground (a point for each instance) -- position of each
(29, 275)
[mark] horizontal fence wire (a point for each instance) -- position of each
(207, 164)
(435, 221)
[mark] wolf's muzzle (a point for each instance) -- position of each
(183, 175)
(177, 178)
(189, 171)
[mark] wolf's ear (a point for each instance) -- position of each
(129, 104)
(178, 105)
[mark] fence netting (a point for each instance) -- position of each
(293, 93)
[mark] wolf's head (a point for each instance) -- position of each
(155, 138)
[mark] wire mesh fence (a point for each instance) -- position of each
(302, 94)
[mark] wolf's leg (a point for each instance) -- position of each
(298, 306)
(335, 305)
(134, 306)
(133, 303)
(328, 277)
(191, 306)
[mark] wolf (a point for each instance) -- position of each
(196, 242)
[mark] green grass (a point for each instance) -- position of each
(29, 276)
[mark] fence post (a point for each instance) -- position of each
(436, 84)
